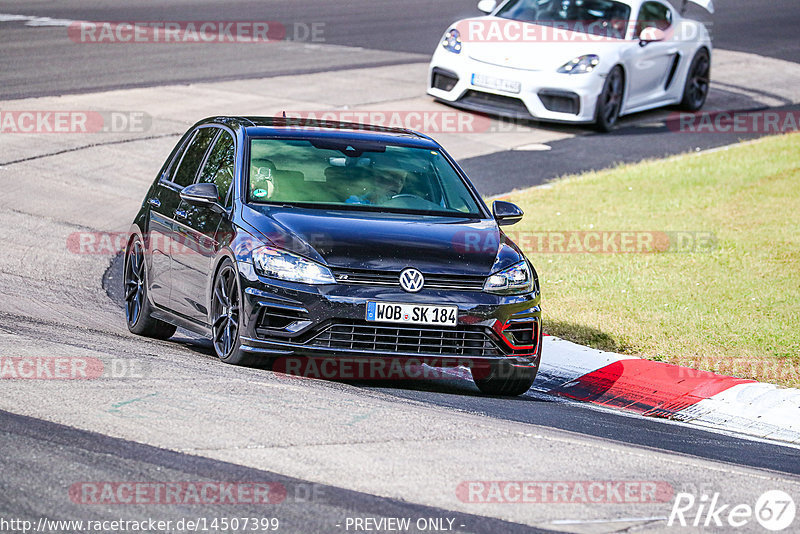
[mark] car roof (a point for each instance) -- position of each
(300, 127)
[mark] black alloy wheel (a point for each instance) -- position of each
(226, 318)
(609, 103)
(698, 81)
(137, 306)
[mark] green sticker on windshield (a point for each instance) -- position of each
(260, 193)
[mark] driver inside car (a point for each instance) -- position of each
(388, 184)
(363, 186)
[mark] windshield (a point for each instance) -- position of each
(357, 175)
(601, 17)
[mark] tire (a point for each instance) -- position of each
(609, 103)
(137, 306)
(698, 80)
(226, 316)
(504, 379)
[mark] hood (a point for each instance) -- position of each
(384, 242)
(547, 50)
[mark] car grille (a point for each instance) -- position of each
(506, 104)
(462, 340)
(432, 281)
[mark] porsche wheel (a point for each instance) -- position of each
(609, 103)
(698, 80)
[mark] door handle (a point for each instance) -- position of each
(180, 214)
(154, 202)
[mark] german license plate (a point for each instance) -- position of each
(490, 82)
(390, 312)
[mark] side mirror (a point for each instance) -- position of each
(487, 6)
(506, 213)
(203, 194)
(651, 34)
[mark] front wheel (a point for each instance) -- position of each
(698, 80)
(137, 307)
(226, 317)
(609, 103)
(504, 379)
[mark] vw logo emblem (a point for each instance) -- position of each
(411, 280)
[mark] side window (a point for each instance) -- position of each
(194, 156)
(219, 167)
(169, 173)
(653, 15)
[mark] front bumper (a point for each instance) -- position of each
(543, 95)
(289, 319)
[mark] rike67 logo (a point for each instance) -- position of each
(774, 510)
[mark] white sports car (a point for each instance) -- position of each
(583, 61)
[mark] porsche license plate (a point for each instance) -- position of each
(490, 82)
(390, 312)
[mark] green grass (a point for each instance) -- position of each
(733, 309)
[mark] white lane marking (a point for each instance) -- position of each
(10, 18)
(47, 21)
(599, 521)
(37, 21)
(534, 147)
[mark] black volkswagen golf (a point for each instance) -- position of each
(279, 238)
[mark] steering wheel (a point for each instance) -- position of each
(407, 195)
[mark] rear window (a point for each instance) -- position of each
(356, 175)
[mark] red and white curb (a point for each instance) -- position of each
(658, 389)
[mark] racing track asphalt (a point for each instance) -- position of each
(46, 456)
(42, 61)
(36, 453)
(501, 172)
(547, 411)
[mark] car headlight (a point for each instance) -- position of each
(580, 65)
(452, 41)
(284, 265)
(514, 280)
